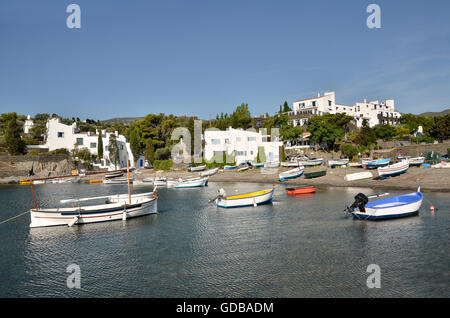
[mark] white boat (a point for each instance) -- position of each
(114, 174)
(365, 161)
(441, 165)
(243, 167)
(39, 181)
(273, 164)
(354, 164)
(377, 163)
(311, 162)
(116, 181)
(338, 162)
(394, 207)
(209, 172)
(393, 170)
(291, 174)
(41, 217)
(198, 168)
(241, 200)
(192, 183)
(63, 180)
(229, 167)
(289, 164)
(155, 181)
(416, 161)
(358, 176)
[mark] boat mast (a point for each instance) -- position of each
(128, 179)
(34, 196)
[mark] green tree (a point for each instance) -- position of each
(14, 143)
(366, 136)
(328, 129)
(385, 132)
(135, 144)
(286, 107)
(113, 149)
(149, 151)
(100, 145)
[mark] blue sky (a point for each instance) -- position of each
(196, 57)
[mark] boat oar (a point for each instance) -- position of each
(84, 199)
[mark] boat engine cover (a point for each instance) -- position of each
(360, 202)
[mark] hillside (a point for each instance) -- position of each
(121, 120)
(432, 114)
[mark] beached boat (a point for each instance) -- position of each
(242, 167)
(61, 180)
(209, 172)
(197, 168)
(377, 163)
(393, 207)
(116, 181)
(273, 164)
(191, 183)
(358, 176)
(364, 161)
(289, 164)
(258, 165)
(291, 174)
(241, 200)
(229, 167)
(114, 174)
(300, 190)
(337, 162)
(311, 162)
(315, 174)
(442, 164)
(393, 170)
(416, 161)
(354, 164)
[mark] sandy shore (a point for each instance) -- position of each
(430, 179)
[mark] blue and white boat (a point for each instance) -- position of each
(393, 207)
(377, 163)
(291, 174)
(258, 165)
(393, 170)
(229, 167)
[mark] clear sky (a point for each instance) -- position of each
(196, 57)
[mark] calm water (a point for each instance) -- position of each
(296, 247)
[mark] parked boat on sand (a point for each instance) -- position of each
(337, 162)
(291, 174)
(209, 172)
(358, 176)
(393, 170)
(315, 174)
(377, 163)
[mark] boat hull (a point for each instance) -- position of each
(209, 172)
(192, 183)
(300, 190)
(93, 214)
(358, 176)
(291, 174)
(248, 199)
(393, 170)
(315, 174)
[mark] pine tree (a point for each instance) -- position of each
(149, 151)
(100, 145)
(14, 143)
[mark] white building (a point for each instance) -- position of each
(64, 136)
(28, 125)
(243, 144)
(375, 112)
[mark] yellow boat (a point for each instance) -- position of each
(245, 199)
(25, 181)
(95, 181)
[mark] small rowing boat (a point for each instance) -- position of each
(291, 174)
(354, 164)
(393, 207)
(241, 200)
(358, 176)
(300, 190)
(315, 174)
(393, 170)
(289, 164)
(337, 162)
(258, 165)
(311, 162)
(191, 183)
(377, 163)
(229, 167)
(114, 174)
(273, 164)
(116, 181)
(197, 168)
(209, 172)
(416, 161)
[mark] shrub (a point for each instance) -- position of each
(162, 154)
(162, 164)
(349, 151)
(62, 151)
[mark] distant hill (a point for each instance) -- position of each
(121, 120)
(433, 114)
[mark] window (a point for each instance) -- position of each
(329, 103)
(251, 152)
(215, 141)
(314, 103)
(251, 138)
(241, 153)
(227, 141)
(93, 145)
(60, 134)
(79, 141)
(121, 147)
(238, 139)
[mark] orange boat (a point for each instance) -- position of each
(300, 190)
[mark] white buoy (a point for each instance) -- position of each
(74, 220)
(124, 215)
(254, 203)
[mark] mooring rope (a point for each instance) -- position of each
(4, 221)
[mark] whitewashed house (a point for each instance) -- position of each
(59, 135)
(242, 144)
(375, 112)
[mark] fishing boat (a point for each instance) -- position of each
(291, 174)
(241, 200)
(416, 161)
(311, 162)
(442, 164)
(300, 190)
(393, 170)
(229, 167)
(120, 208)
(393, 207)
(191, 183)
(116, 181)
(364, 161)
(377, 163)
(197, 168)
(358, 176)
(209, 172)
(114, 174)
(258, 165)
(354, 164)
(62, 180)
(289, 164)
(338, 162)
(160, 182)
(273, 164)
(242, 167)
(315, 174)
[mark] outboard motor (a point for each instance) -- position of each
(360, 203)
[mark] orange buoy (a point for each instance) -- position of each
(432, 208)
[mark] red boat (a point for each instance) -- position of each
(300, 190)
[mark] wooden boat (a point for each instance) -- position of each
(161, 182)
(300, 190)
(442, 164)
(311, 162)
(25, 181)
(209, 172)
(246, 199)
(290, 164)
(416, 161)
(258, 165)
(338, 162)
(358, 176)
(393, 207)
(116, 181)
(61, 180)
(393, 170)
(354, 164)
(197, 168)
(191, 183)
(229, 167)
(95, 181)
(377, 163)
(315, 174)
(115, 209)
(273, 164)
(291, 174)
(115, 174)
